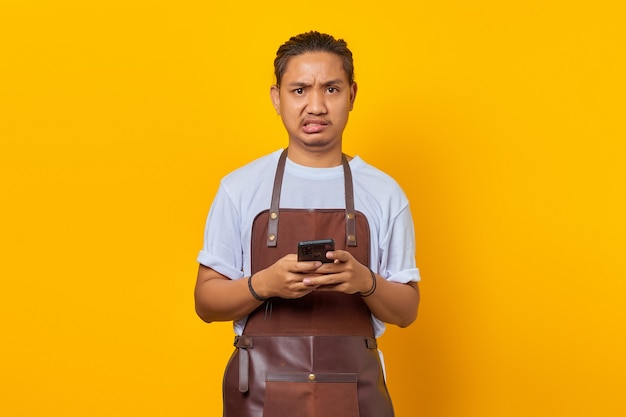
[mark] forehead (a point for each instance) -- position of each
(315, 66)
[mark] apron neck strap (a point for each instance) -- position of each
(272, 229)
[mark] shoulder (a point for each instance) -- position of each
(374, 178)
(263, 165)
(251, 181)
(253, 173)
(377, 194)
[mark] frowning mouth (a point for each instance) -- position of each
(314, 122)
(314, 125)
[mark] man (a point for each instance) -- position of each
(306, 330)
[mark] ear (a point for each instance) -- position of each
(353, 90)
(275, 96)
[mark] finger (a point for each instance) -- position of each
(333, 288)
(320, 280)
(310, 282)
(307, 266)
(339, 255)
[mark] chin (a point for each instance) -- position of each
(316, 142)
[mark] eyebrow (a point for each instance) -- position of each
(336, 81)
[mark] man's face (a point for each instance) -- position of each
(314, 100)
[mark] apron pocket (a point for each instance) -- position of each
(311, 395)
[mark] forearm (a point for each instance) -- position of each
(393, 302)
(218, 298)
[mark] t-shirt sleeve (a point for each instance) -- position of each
(398, 260)
(221, 250)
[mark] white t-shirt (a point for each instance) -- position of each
(247, 191)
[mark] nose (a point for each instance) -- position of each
(316, 103)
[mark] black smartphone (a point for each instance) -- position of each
(315, 250)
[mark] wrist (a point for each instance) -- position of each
(372, 289)
(253, 292)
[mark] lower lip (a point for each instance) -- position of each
(313, 128)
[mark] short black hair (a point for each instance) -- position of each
(313, 41)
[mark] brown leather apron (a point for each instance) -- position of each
(315, 356)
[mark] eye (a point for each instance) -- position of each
(299, 91)
(332, 90)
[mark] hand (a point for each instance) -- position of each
(345, 274)
(285, 277)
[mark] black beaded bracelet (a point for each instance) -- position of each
(371, 290)
(254, 294)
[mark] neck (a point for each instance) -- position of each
(322, 158)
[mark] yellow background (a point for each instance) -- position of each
(502, 120)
